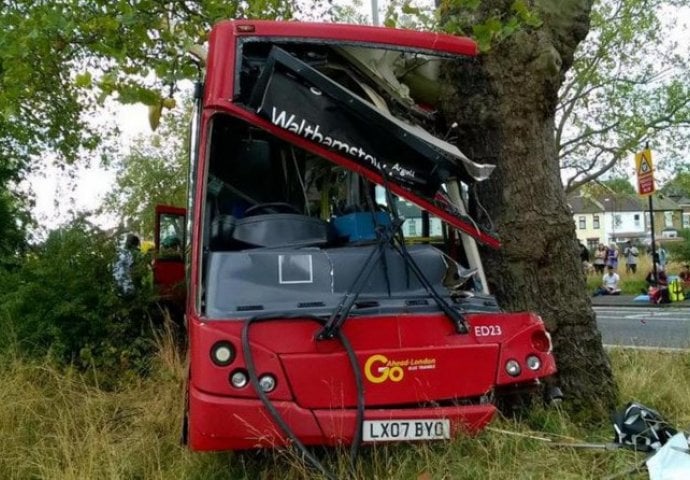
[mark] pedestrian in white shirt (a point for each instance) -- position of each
(609, 284)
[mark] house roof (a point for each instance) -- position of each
(664, 203)
(621, 202)
(679, 199)
(580, 204)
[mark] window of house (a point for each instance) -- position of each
(582, 222)
(668, 219)
(636, 219)
(686, 220)
(595, 222)
(617, 220)
(412, 228)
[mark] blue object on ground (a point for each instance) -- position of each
(641, 298)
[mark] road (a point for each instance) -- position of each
(645, 327)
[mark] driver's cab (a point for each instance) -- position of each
(287, 231)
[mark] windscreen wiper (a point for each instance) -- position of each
(342, 310)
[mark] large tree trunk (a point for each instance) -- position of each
(505, 105)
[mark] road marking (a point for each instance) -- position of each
(648, 348)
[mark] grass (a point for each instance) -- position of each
(57, 424)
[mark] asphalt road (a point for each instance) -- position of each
(645, 327)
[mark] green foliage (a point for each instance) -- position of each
(603, 188)
(13, 221)
(679, 184)
(153, 172)
(60, 60)
(499, 24)
(487, 25)
(680, 251)
(61, 303)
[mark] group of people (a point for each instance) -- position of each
(609, 257)
(659, 288)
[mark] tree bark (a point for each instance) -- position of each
(504, 104)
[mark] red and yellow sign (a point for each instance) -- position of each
(645, 172)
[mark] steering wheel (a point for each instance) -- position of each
(271, 207)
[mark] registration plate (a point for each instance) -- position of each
(399, 430)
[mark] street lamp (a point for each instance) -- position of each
(613, 217)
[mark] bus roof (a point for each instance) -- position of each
(429, 42)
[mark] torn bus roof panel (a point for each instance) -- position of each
(295, 97)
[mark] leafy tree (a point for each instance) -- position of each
(604, 188)
(62, 300)
(619, 185)
(505, 104)
(60, 60)
(680, 251)
(679, 184)
(13, 221)
(153, 172)
(630, 82)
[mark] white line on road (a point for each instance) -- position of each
(650, 318)
(643, 347)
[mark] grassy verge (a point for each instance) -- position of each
(59, 425)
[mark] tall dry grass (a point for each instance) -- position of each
(57, 424)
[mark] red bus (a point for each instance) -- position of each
(335, 293)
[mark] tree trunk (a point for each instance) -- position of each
(505, 104)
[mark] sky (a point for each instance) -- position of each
(57, 195)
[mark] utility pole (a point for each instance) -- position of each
(645, 186)
(651, 218)
(375, 12)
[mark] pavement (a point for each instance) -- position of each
(629, 301)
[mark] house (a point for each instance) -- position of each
(684, 203)
(588, 215)
(668, 216)
(624, 217)
(613, 217)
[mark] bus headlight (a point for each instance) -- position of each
(513, 368)
(533, 363)
(222, 353)
(238, 379)
(267, 383)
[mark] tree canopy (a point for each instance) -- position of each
(61, 60)
(152, 172)
(630, 83)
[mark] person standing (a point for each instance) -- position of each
(630, 252)
(124, 270)
(612, 257)
(663, 255)
(600, 259)
(584, 257)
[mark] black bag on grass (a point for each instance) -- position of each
(641, 428)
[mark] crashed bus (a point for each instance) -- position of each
(335, 293)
